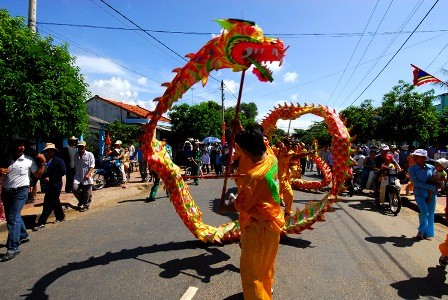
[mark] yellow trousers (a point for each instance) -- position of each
(287, 195)
(259, 246)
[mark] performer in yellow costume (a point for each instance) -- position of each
(286, 158)
(296, 169)
(244, 163)
(261, 217)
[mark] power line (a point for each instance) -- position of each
(362, 56)
(279, 35)
(73, 43)
(338, 72)
(395, 52)
(160, 42)
(406, 21)
(354, 50)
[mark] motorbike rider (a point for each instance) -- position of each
(384, 178)
(119, 153)
(368, 171)
(380, 159)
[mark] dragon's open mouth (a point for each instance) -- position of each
(262, 72)
(246, 53)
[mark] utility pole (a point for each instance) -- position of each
(223, 124)
(32, 15)
(222, 99)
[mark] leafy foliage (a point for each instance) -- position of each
(197, 121)
(205, 119)
(247, 115)
(318, 131)
(407, 116)
(124, 132)
(362, 119)
(42, 94)
(443, 125)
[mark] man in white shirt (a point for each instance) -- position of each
(83, 180)
(359, 159)
(15, 169)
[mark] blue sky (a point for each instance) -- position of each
(328, 62)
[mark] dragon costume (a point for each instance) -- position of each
(241, 45)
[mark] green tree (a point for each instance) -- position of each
(318, 131)
(277, 135)
(124, 132)
(407, 116)
(443, 127)
(197, 121)
(363, 121)
(248, 113)
(42, 93)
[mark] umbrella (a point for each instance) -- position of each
(211, 140)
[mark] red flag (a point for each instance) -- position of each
(421, 77)
(108, 141)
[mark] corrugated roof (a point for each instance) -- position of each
(139, 111)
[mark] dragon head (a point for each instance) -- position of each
(246, 45)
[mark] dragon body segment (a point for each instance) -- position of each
(241, 45)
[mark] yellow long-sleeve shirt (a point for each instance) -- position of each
(258, 197)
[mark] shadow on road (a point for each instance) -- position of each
(171, 268)
(369, 205)
(294, 242)
(397, 241)
(238, 296)
(200, 263)
(433, 285)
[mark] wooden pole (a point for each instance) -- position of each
(232, 139)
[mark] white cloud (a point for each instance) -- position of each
(290, 77)
(97, 65)
(142, 80)
(294, 97)
(281, 102)
(273, 66)
(300, 123)
(231, 85)
(149, 105)
(115, 88)
(119, 89)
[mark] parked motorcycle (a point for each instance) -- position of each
(107, 172)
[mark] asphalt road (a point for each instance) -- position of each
(130, 249)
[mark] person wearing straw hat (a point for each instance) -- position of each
(121, 157)
(83, 180)
(15, 169)
(51, 182)
(68, 154)
(419, 174)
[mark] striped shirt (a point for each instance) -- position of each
(19, 172)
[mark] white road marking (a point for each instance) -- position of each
(189, 294)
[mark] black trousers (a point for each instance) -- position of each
(51, 203)
(69, 179)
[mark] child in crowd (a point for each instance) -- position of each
(439, 176)
(218, 162)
